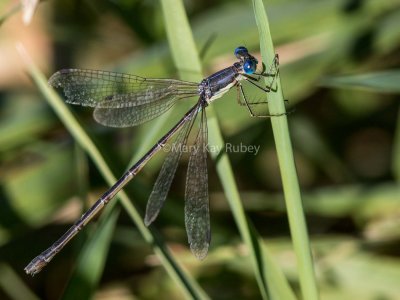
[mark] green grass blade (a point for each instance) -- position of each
(91, 260)
(16, 8)
(269, 277)
(396, 150)
(188, 285)
(287, 166)
(13, 286)
(181, 40)
(186, 58)
(381, 82)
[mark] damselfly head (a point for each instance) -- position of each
(250, 65)
(247, 61)
(241, 52)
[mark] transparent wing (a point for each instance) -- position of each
(121, 99)
(116, 90)
(197, 214)
(167, 173)
(132, 116)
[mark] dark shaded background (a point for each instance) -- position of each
(346, 141)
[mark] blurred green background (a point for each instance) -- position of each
(340, 72)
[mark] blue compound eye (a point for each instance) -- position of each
(241, 51)
(250, 66)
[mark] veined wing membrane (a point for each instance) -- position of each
(167, 173)
(109, 89)
(197, 214)
(132, 115)
(121, 100)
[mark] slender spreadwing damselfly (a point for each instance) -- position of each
(122, 100)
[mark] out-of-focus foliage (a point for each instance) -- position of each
(339, 64)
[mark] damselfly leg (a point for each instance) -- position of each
(254, 81)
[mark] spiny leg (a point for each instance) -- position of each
(245, 100)
(246, 103)
(273, 68)
(239, 91)
(272, 72)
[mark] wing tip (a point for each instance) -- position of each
(149, 218)
(147, 221)
(200, 252)
(55, 81)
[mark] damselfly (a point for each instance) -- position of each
(122, 100)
